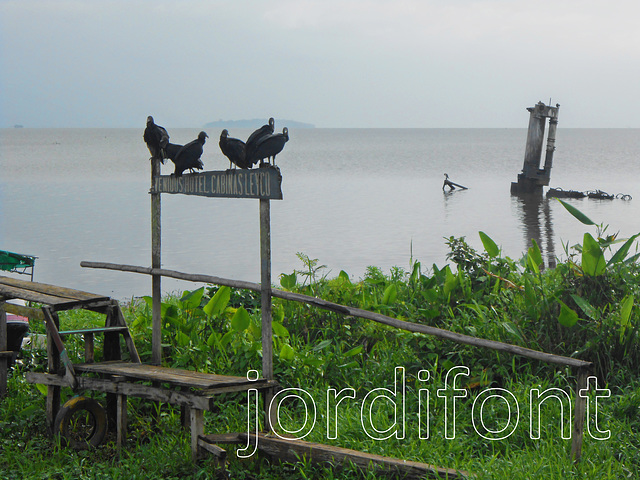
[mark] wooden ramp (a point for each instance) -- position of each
(290, 450)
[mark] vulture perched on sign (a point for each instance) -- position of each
(156, 138)
(234, 150)
(269, 146)
(188, 157)
(263, 131)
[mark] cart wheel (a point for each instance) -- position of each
(81, 423)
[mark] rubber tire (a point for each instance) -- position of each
(66, 414)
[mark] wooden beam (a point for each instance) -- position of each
(580, 412)
(156, 262)
(53, 290)
(355, 312)
(4, 360)
(29, 312)
(147, 392)
(293, 451)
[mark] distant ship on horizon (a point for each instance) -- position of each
(17, 125)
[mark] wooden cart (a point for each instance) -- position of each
(119, 374)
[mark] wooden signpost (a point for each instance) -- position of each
(263, 183)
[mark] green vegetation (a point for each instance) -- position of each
(586, 308)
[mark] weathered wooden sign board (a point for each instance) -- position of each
(264, 183)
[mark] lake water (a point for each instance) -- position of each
(352, 198)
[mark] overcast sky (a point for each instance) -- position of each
(333, 63)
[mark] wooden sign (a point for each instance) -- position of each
(264, 182)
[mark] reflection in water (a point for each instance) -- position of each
(535, 214)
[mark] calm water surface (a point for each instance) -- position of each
(352, 198)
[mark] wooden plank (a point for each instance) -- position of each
(293, 450)
(355, 312)
(263, 183)
(89, 350)
(4, 360)
(261, 384)
(580, 411)
(53, 290)
(147, 392)
(213, 449)
(223, 438)
(197, 429)
(30, 312)
(152, 373)
(9, 293)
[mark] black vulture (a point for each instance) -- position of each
(156, 138)
(263, 131)
(269, 146)
(234, 150)
(189, 156)
(171, 150)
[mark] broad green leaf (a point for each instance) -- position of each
(313, 361)
(489, 245)
(287, 353)
(42, 388)
(213, 339)
(218, 302)
(191, 300)
(279, 329)
(354, 351)
(577, 213)
(450, 282)
(586, 307)
(288, 281)
(241, 320)
(622, 252)
(534, 255)
(226, 338)
(625, 310)
(172, 314)
(182, 339)
(625, 314)
(344, 276)
(390, 294)
(415, 273)
(593, 262)
(568, 317)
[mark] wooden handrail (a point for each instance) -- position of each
(355, 312)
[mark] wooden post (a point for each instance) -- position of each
(265, 295)
(196, 417)
(53, 360)
(579, 414)
(156, 262)
(4, 360)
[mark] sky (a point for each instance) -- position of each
(332, 63)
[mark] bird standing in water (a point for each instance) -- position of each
(188, 157)
(156, 138)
